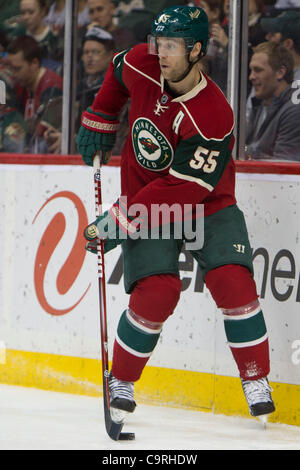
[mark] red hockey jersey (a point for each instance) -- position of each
(178, 149)
(50, 85)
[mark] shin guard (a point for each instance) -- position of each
(248, 340)
(234, 291)
(135, 341)
(152, 301)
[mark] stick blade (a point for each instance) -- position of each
(127, 436)
(114, 431)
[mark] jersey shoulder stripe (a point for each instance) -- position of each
(208, 114)
(204, 131)
(118, 63)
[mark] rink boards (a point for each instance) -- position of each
(49, 316)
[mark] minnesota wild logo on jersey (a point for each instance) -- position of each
(152, 149)
(148, 145)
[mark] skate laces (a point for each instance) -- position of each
(257, 391)
(120, 389)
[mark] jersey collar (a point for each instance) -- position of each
(190, 94)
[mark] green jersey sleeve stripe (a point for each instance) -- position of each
(201, 161)
(191, 178)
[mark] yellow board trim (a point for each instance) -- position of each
(179, 388)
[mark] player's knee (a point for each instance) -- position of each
(231, 286)
(155, 297)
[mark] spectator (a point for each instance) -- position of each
(4, 41)
(83, 13)
(213, 10)
(274, 37)
(56, 16)
(36, 88)
(97, 52)
(13, 129)
(125, 7)
(273, 131)
(287, 25)
(271, 12)
(32, 23)
(217, 58)
(256, 34)
(56, 20)
(8, 9)
(102, 13)
(220, 39)
(264, 34)
(284, 4)
(225, 14)
(219, 30)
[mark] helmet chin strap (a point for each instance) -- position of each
(187, 71)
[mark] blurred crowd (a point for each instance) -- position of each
(32, 55)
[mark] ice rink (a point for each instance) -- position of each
(34, 419)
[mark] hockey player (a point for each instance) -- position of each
(178, 151)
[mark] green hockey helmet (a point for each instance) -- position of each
(189, 23)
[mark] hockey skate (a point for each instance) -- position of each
(259, 398)
(121, 397)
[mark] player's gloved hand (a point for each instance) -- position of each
(92, 234)
(97, 132)
(113, 226)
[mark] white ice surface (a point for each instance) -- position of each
(34, 419)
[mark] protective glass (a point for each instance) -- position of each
(169, 46)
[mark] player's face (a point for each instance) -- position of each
(23, 71)
(262, 76)
(172, 57)
(95, 58)
(31, 14)
(101, 12)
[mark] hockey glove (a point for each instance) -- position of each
(97, 132)
(92, 234)
(113, 226)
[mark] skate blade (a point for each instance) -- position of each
(118, 416)
(263, 420)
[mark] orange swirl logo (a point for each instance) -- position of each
(73, 264)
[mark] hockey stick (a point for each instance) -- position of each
(113, 429)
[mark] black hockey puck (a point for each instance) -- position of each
(126, 436)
